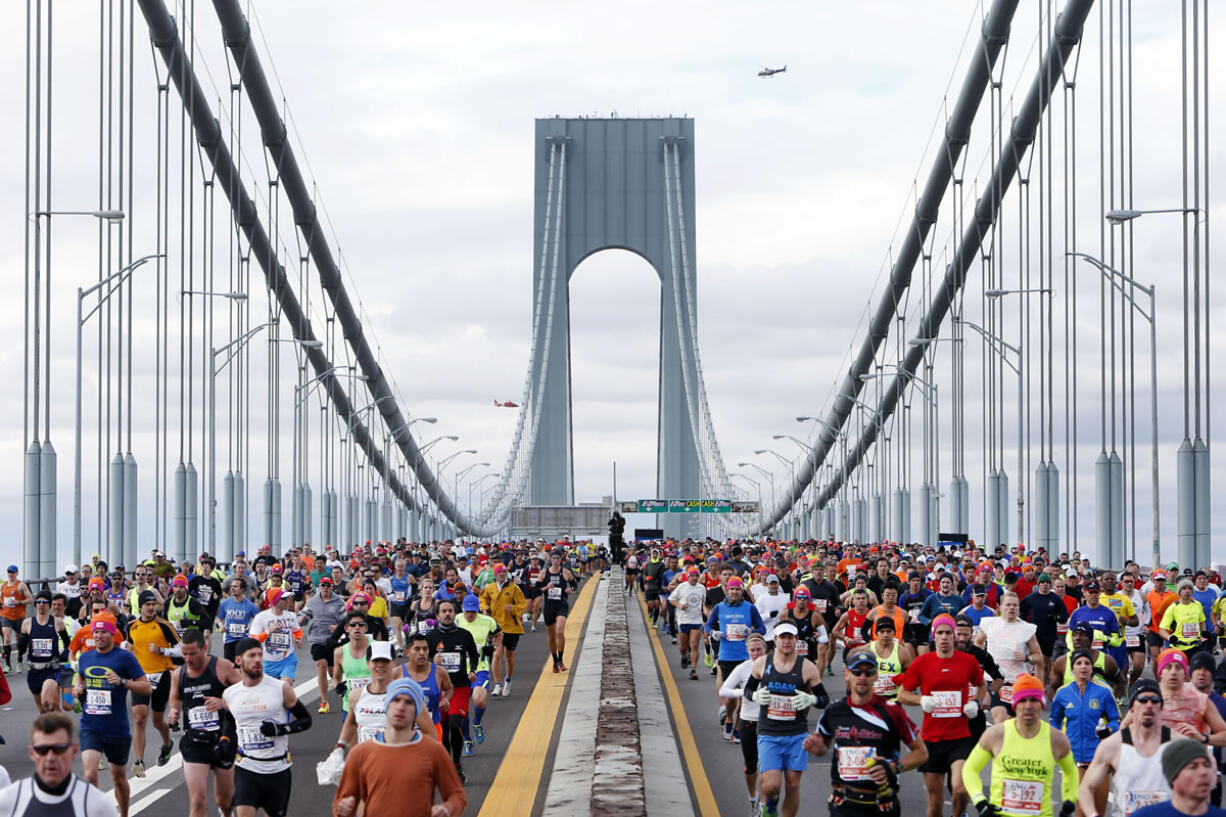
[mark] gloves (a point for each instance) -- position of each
(970, 709)
(269, 729)
(821, 698)
(342, 688)
(716, 635)
(224, 752)
(1067, 808)
(761, 696)
(803, 700)
(986, 809)
(928, 703)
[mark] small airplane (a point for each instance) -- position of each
(770, 72)
(507, 404)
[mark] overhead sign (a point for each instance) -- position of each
(689, 506)
(653, 505)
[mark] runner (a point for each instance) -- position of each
(1183, 624)
(1128, 761)
(262, 706)
(278, 630)
(938, 682)
(399, 772)
(1084, 709)
(54, 791)
(1012, 643)
(1186, 710)
(455, 651)
(687, 599)
(398, 601)
(434, 682)
(1024, 753)
(105, 675)
(1047, 612)
(730, 623)
(505, 603)
(322, 614)
(367, 716)
(350, 672)
(487, 635)
(14, 596)
(557, 582)
(46, 640)
(1191, 775)
(867, 733)
(893, 658)
(733, 688)
(235, 614)
(150, 639)
(1082, 637)
(208, 742)
(787, 685)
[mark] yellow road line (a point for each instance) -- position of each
(520, 774)
(689, 748)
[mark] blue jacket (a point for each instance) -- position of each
(1080, 713)
(743, 616)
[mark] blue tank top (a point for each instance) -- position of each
(400, 591)
(430, 688)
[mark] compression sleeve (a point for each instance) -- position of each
(302, 719)
(1068, 773)
(981, 757)
(751, 686)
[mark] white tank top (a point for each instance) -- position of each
(1138, 781)
(251, 706)
(370, 713)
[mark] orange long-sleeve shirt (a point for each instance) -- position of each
(401, 779)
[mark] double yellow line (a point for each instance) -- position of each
(513, 792)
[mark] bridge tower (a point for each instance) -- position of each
(625, 184)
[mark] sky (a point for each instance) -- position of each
(415, 124)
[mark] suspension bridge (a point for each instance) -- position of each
(1049, 272)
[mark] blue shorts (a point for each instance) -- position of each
(286, 668)
(689, 628)
(114, 749)
(483, 679)
(782, 752)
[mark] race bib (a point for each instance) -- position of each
(1190, 630)
(154, 678)
(853, 762)
(1132, 640)
(251, 739)
(1062, 628)
(1134, 800)
(41, 647)
(236, 629)
(200, 718)
(554, 593)
(884, 686)
(368, 733)
(736, 632)
(279, 642)
(802, 648)
(1098, 643)
(398, 596)
(357, 684)
(10, 602)
(1006, 693)
(205, 594)
(781, 708)
(820, 604)
(948, 704)
(1022, 797)
(97, 702)
(449, 661)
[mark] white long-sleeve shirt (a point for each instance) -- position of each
(768, 605)
(734, 687)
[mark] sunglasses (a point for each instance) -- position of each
(863, 673)
(358, 624)
(1147, 699)
(42, 748)
(42, 601)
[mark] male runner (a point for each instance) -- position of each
(209, 737)
(322, 615)
(455, 652)
(486, 635)
(14, 596)
(505, 602)
(1192, 775)
(350, 672)
(262, 706)
(278, 630)
(434, 682)
(687, 598)
(54, 791)
(1129, 761)
(234, 616)
(45, 640)
(730, 623)
(1012, 643)
(556, 584)
(150, 639)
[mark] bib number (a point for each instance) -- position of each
(781, 708)
(154, 678)
(278, 642)
(358, 684)
(1062, 628)
(368, 733)
(1134, 800)
(201, 719)
(1022, 797)
(1006, 693)
(853, 762)
(97, 702)
(1132, 640)
(251, 739)
(398, 597)
(736, 632)
(884, 686)
(820, 604)
(41, 647)
(449, 661)
(236, 629)
(802, 648)
(949, 704)
(1190, 630)
(554, 593)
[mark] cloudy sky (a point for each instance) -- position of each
(416, 123)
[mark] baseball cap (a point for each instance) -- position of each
(379, 651)
(1158, 575)
(325, 580)
(471, 604)
(12, 568)
(786, 627)
(1083, 627)
(860, 657)
(70, 568)
(978, 590)
(1092, 587)
(772, 579)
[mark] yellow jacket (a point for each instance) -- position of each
(494, 603)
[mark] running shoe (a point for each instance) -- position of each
(562, 667)
(164, 755)
(685, 661)
(102, 763)
(674, 639)
(736, 735)
(479, 733)
(506, 688)
(497, 690)
(754, 808)
(770, 809)
(728, 731)
(138, 768)
(460, 771)
(324, 709)
(468, 748)
(693, 675)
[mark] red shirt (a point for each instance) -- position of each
(931, 673)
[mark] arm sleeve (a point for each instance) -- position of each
(301, 719)
(981, 757)
(1068, 771)
(751, 686)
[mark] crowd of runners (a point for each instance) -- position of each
(1019, 662)
(410, 644)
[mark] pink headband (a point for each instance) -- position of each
(106, 625)
(945, 619)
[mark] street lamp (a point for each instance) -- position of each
(81, 319)
(112, 216)
(438, 439)
(1152, 316)
(997, 293)
(233, 296)
(1124, 216)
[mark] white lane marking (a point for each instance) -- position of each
(141, 785)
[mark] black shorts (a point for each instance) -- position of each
(996, 700)
(227, 651)
(510, 641)
(1047, 647)
(749, 746)
(194, 751)
(161, 692)
(1152, 639)
(651, 595)
(942, 754)
(531, 593)
(400, 611)
(262, 791)
(917, 634)
(320, 652)
(552, 611)
(726, 668)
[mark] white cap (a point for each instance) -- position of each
(380, 650)
(70, 568)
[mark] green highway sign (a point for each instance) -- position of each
(686, 506)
